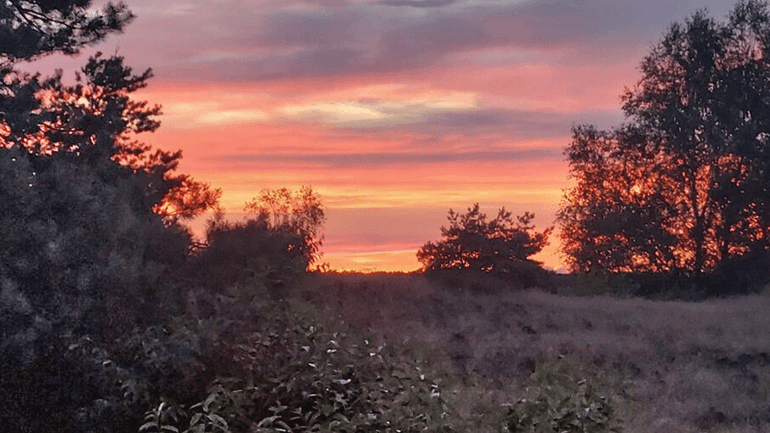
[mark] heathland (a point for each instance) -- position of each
(670, 366)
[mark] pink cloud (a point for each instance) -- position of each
(394, 110)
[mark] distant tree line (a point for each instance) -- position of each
(681, 189)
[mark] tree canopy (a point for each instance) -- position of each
(95, 121)
(682, 186)
(472, 242)
(34, 28)
(91, 242)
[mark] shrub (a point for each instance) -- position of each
(280, 369)
(242, 252)
(526, 275)
(280, 241)
(555, 401)
(472, 243)
(598, 283)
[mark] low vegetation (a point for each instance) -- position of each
(115, 320)
(648, 366)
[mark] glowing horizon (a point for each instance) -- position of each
(394, 112)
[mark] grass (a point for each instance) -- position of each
(667, 366)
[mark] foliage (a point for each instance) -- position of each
(300, 216)
(34, 28)
(682, 187)
(79, 246)
(88, 225)
(82, 259)
(557, 402)
(68, 383)
(279, 369)
(501, 246)
(91, 215)
(278, 243)
(607, 221)
(598, 283)
(95, 122)
(30, 29)
(91, 238)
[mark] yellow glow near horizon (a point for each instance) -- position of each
(342, 140)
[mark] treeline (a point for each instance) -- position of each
(674, 202)
(677, 197)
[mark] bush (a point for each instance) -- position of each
(555, 401)
(70, 384)
(598, 283)
(737, 275)
(280, 241)
(243, 252)
(501, 246)
(282, 370)
(526, 276)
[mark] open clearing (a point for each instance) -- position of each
(667, 366)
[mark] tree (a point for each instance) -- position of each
(280, 239)
(95, 122)
(473, 243)
(109, 203)
(300, 216)
(34, 28)
(682, 187)
(90, 223)
(616, 218)
(30, 29)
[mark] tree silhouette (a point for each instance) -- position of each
(280, 239)
(90, 237)
(95, 122)
(299, 215)
(682, 187)
(471, 242)
(30, 29)
(34, 28)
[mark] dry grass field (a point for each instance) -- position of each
(666, 366)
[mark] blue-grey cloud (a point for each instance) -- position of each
(516, 124)
(417, 3)
(273, 39)
(348, 160)
(337, 28)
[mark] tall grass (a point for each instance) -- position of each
(668, 366)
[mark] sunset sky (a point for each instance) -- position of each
(393, 111)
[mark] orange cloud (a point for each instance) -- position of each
(387, 190)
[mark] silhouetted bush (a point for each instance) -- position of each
(598, 283)
(526, 275)
(242, 252)
(279, 242)
(501, 247)
(738, 275)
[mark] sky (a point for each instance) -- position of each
(394, 111)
